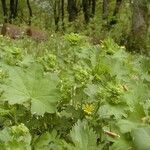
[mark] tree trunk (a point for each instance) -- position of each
(12, 8)
(16, 9)
(57, 13)
(117, 7)
(139, 25)
(93, 7)
(86, 10)
(114, 20)
(105, 9)
(62, 13)
(30, 11)
(4, 10)
(72, 10)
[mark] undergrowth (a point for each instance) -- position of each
(68, 94)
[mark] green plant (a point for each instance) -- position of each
(73, 96)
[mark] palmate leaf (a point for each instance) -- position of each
(107, 110)
(43, 142)
(121, 144)
(49, 141)
(31, 87)
(141, 138)
(126, 126)
(83, 137)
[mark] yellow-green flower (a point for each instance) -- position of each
(122, 47)
(102, 46)
(88, 108)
